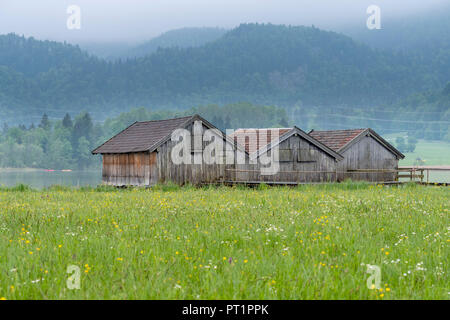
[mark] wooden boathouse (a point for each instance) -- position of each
(141, 155)
(148, 153)
(367, 156)
(298, 157)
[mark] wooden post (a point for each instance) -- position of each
(428, 175)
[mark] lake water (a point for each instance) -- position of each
(42, 179)
(39, 179)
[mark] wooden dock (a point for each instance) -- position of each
(423, 173)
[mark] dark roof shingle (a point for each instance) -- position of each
(141, 136)
(336, 139)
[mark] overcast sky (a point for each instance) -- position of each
(138, 20)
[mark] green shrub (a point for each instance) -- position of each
(21, 188)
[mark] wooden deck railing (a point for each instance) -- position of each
(424, 172)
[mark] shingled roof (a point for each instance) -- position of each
(336, 139)
(254, 139)
(142, 136)
(340, 140)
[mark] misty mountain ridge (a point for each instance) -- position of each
(261, 63)
(31, 57)
(182, 38)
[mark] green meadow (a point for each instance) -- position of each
(431, 152)
(307, 242)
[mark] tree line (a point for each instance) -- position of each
(67, 143)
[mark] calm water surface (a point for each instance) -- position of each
(42, 179)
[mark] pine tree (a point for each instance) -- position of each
(83, 127)
(67, 121)
(45, 123)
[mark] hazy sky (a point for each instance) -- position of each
(137, 20)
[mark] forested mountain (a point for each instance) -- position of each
(279, 64)
(31, 57)
(25, 66)
(261, 63)
(322, 78)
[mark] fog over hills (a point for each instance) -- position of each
(182, 38)
(262, 63)
(305, 69)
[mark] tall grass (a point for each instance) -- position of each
(307, 242)
(18, 188)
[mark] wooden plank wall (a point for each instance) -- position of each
(196, 173)
(133, 169)
(304, 157)
(144, 169)
(368, 153)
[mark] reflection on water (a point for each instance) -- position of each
(42, 179)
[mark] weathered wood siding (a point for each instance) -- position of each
(297, 156)
(198, 172)
(148, 169)
(368, 153)
(128, 169)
